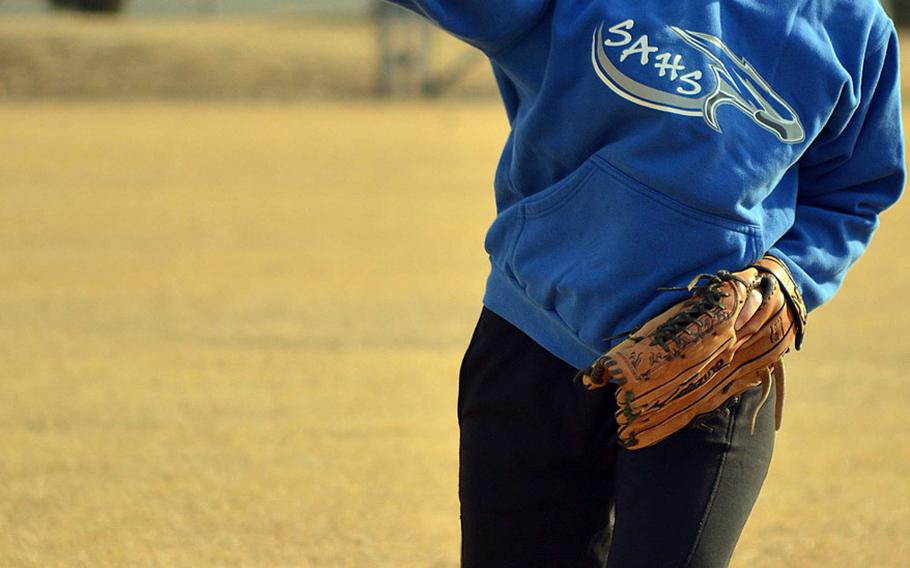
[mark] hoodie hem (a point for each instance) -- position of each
(505, 297)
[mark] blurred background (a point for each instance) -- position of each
(241, 254)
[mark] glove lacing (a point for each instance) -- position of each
(706, 299)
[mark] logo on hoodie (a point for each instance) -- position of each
(731, 80)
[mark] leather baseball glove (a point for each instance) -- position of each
(690, 359)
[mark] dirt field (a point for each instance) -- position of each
(230, 333)
(67, 57)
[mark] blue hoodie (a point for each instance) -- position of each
(653, 140)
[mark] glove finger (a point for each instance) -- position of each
(631, 401)
(753, 301)
(765, 312)
(720, 378)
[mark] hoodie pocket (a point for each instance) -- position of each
(594, 248)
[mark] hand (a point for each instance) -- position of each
(753, 301)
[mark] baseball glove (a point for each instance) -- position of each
(690, 359)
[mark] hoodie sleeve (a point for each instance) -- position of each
(852, 172)
(489, 25)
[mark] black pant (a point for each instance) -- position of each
(541, 470)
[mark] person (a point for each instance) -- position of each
(652, 141)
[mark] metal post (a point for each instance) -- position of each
(206, 7)
(426, 73)
(404, 43)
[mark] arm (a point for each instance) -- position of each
(489, 25)
(850, 174)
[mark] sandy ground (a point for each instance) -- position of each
(230, 334)
(230, 337)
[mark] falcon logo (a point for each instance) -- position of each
(734, 81)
